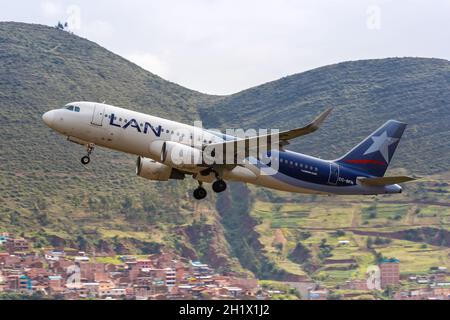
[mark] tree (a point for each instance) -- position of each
(379, 257)
(339, 233)
(147, 202)
(59, 26)
(127, 204)
(369, 243)
(388, 292)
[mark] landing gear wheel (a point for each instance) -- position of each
(200, 193)
(219, 186)
(85, 160)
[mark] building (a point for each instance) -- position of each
(3, 239)
(389, 272)
(19, 283)
(357, 285)
(55, 283)
(318, 294)
(2, 282)
(17, 245)
(144, 264)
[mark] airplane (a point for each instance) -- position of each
(157, 141)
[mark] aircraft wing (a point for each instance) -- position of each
(384, 181)
(264, 141)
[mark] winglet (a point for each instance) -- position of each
(321, 118)
(310, 128)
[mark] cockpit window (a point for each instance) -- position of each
(72, 108)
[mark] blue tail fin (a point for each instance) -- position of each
(373, 154)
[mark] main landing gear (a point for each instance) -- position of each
(200, 193)
(87, 158)
(218, 186)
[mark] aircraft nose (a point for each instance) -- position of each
(48, 118)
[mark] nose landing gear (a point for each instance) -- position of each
(87, 158)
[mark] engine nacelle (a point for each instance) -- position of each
(175, 154)
(149, 169)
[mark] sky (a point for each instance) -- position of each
(225, 46)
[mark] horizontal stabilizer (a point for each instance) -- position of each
(384, 181)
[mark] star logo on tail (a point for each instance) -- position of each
(381, 144)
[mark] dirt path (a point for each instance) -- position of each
(355, 218)
(438, 225)
(417, 202)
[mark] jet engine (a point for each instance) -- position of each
(175, 154)
(149, 169)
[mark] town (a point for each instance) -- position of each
(71, 274)
(62, 273)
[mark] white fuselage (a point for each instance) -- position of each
(133, 132)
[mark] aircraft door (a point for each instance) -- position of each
(98, 115)
(334, 173)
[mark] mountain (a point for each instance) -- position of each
(48, 195)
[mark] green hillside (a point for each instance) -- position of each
(47, 194)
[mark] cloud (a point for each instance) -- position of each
(50, 8)
(150, 63)
(97, 30)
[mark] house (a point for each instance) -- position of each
(20, 283)
(318, 294)
(80, 259)
(91, 289)
(88, 270)
(11, 261)
(357, 285)
(2, 282)
(170, 277)
(105, 288)
(32, 261)
(126, 259)
(199, 269)
(37, 273)
(55, 283)
(3, 256)
(233, 291)
(3, 240)
(389, 272)
(113, 293)
(141, 292)
(245, 283)
(144, 264)
(17, 245)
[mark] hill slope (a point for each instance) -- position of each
(47, 194)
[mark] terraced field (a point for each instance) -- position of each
(345, 235)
